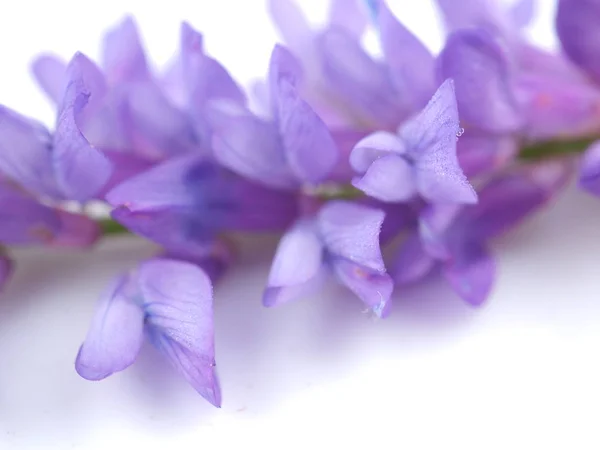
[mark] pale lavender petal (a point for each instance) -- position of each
(351, 231)
(155, 124)
(522, 12)
(510, 198)
(50, 73)
(434, 223)
(115, 335)
(81, 170)
(76, 231)
(123, 58)
(558, 108)
(252, 147)
(412, 262)
(24, 220)
(483, 81)
(126, 165)
(291, 24)
(25, 153)
(359, 81)
(374, 146)
(283, 65)
(310, 150)
(589, 176)
(471, 273)
(411, 64)
(205, 78)
(373, 287)
(481, 153)
(430, 139)
(178, 302)
(577, 27)
(484, 14)
(297, 262)
(349, 15)
(389, 179)
(164, 185)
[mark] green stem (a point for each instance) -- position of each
(553, 149)
(109, 227)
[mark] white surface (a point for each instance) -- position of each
(521, 372)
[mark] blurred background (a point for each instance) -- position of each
(521, 372)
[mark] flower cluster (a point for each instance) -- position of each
(346, 152)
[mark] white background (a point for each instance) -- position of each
(522, 372)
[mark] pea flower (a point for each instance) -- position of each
(455, 238)
(343, 238)
(420, 160)
(168, 301)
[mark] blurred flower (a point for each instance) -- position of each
(293, 148)
(184, 203)
(455, 238)
(170, 301)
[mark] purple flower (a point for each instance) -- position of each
(63, 165)
(455, 238)
(343, 238)
(169, 301)
(556, 100)
(293, 148)
(348, 87)
(184, 203)
(420, 160)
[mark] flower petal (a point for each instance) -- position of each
(558, 108)
(508, 199)
(471, 273)
(389, 179)
(205, 78)
(411, 64)
(431, 142)
(374, 146)
(283, 65)
(351, 231)
(482, 153)
(349, 15)
(81, 170)
(251, 147)
(522, 12)
(298, 261)
(123, 58)
(164, 185)
(76, 230)
(371, 286)
(483, 14)
(50, 73)
(434, 223)
(155, 124)
(178, 302)
(412, 262)
(25, 220)
(358, 81)
(310, 149)
(115, 335)
(589, 178)
(291, 24)
(484, 89)
(25, 152)
(576, 26)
